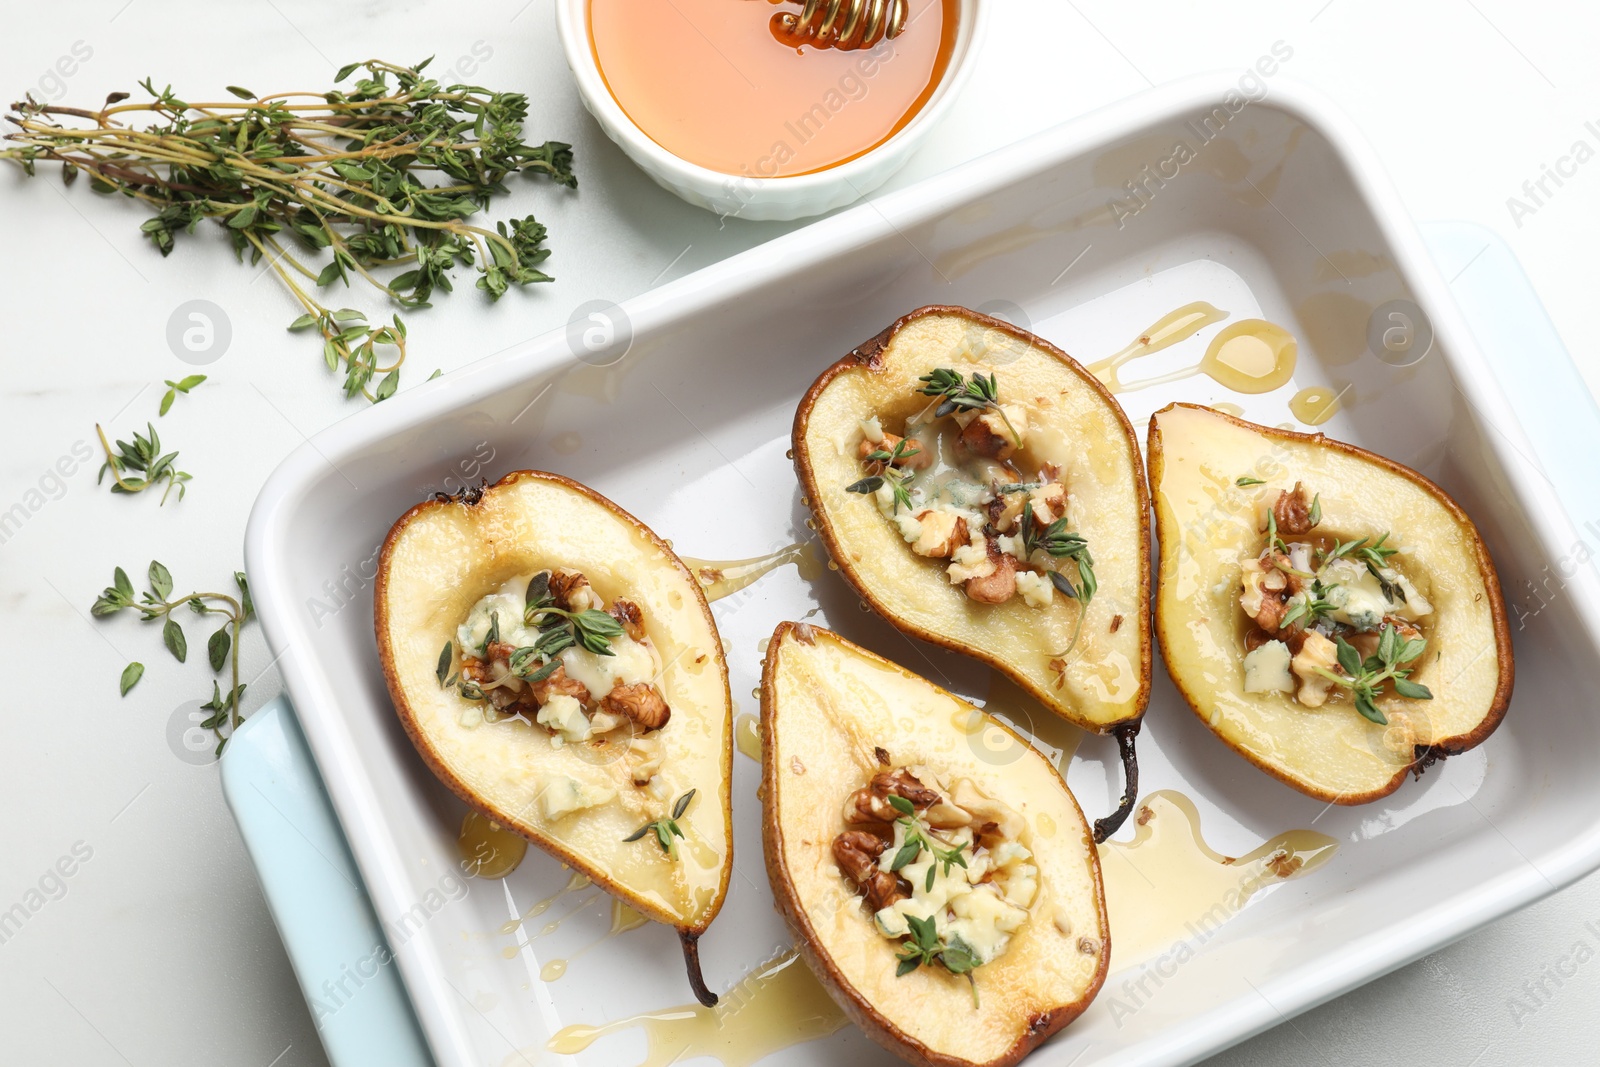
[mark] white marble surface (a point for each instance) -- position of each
(158, 948)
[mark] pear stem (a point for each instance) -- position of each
(691, 957)
(1125, 734)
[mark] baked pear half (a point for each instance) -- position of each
(558, 668)
(1330, 614)
(984, 492)
(946, 891)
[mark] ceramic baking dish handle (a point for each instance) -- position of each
(316, 895)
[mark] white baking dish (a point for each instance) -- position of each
(689, 427)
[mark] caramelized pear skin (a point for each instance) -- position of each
(1213, 481)
(1103, 680)
(833, 714)
(445, 554)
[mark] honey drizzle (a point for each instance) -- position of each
(1168, 330)
(623, 919)
(720, 578)
(539, 907)
(1249, 356)
(1166, 887)
(778, 1005)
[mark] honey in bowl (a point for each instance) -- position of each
(719, 83)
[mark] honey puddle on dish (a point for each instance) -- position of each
(1314, 405)
(623, 919)
(487, 849)
(778, 1005)
(1249, 356)
(1167, 886)
(747, 735)
(720, 578)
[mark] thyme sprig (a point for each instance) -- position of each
(561, 629)
(1376, 558)
(222, 649)
(665, 829)
(143, 454)
(1365, 678)
(915, 841)
(955, 392)
(174, 388)
(899, 481)
(1308, 608)
(339, 172)
(1056, 541)
(924, 946)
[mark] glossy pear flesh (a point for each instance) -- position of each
(1074, 423)
(439, 560)
(826, 706)
(1206, 524)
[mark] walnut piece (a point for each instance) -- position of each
(641, 702)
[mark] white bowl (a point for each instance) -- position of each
(765, 198)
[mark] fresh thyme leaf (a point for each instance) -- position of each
(1412, 690)
(1245, 480)
(546, 671)
(217, 648)
(292, 176)
(870, 484)
(494, 632)
(1349, 658)
(1368, 709)
(160, 580)
(538, 594)
(1315, 514)
(130, 676)
(1274, 542)
(243, 582)
(446, 657)
(637, 834)
(901, 804)
(682, 805)
(958, 958)
(908, 853)
(172, 637)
